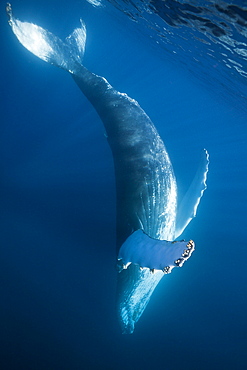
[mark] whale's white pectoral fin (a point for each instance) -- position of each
(188, 207)
(142, 263)
(154, 254)
(48, 47)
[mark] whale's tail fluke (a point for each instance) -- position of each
(48, 47)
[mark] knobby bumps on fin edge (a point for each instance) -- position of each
(153, 254)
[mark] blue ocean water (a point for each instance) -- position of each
(58, 276)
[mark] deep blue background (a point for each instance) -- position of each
(57, 229)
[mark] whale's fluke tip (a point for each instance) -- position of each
(9, 11)
(8, 8)
(48, 47)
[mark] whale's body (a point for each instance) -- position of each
(148, 219)
(145, 182)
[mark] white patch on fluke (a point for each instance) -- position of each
(48, 47)
(33, 38)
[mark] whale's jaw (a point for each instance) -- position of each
(134, 289)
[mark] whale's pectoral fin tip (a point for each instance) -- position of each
(188, 207)
(153, 254)
(146, 260)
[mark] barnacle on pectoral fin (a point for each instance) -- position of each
(147, 260)
(167, 270)
(190, 247)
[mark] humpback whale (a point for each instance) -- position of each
(148, 218)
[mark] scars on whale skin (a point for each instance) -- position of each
(148, 217)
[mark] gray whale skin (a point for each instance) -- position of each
(148, 217)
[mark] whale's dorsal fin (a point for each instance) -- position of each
(188, 207)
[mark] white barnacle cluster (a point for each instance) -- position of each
(153, 255)
(167, 270)
(121, 266)
(190, 247)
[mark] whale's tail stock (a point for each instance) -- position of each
(65, 54)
